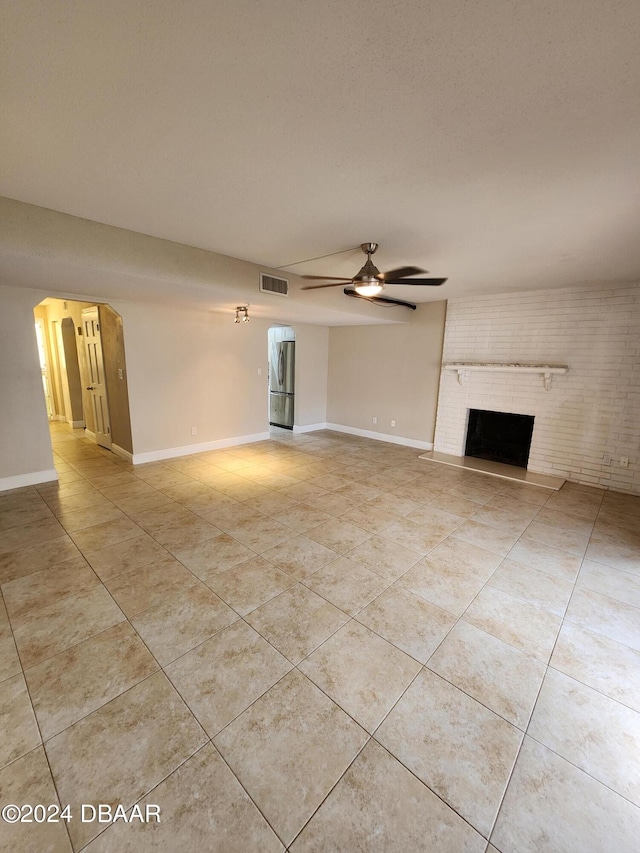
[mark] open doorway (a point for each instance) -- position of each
(45, 365)
(83, 348)
(282, 376)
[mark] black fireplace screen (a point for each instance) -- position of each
(499, 436)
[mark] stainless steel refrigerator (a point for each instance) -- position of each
(281, 383)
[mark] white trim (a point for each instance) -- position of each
(91, 435)
(21, 480)
(59, 418)
(76, 424)
(380, 436)
(120, 451)
(309, 428)
(190, 449)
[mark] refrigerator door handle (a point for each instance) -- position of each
(281, 367)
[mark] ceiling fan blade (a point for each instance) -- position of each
(382, 301)
(401, 272)
(333, 284)
(325, 278)
(430, 282)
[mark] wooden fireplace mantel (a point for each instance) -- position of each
(545, 370)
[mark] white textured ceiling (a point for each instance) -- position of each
(495, 143)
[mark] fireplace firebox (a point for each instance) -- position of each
(499, 436)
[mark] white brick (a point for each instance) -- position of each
(591, 411)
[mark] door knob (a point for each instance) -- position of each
(89, 387)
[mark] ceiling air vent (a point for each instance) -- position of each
(271, 284)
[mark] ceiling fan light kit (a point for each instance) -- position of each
(368, 287)
(369, 282)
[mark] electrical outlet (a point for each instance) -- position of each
(259, 371)
(606, 459)
(193, 430)
(374, 420)
(624, 461)
(393, 423)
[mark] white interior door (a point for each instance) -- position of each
(97, 386)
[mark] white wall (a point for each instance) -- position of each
(189, 368)
(185, 368)
(388, 372)
(591, 411)
(25, 446)
(312, 365)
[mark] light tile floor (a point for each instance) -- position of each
(319, 643)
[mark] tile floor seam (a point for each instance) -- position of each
(524, 600)
(285, 845)
(331, 790)
(451, 486)
(595, 689)
(251, 799)
(548, 667)
(79, 642)
(523, 733)
(295, 665)
(435, 793)
(60, 598)
(504, 793)
(513, 767)
(350, 615)
(100, 707)
(634, 803)
(475, 698)
(604, 594)
(53, 782)
(253, 701)
(3, 604)
(142, 797)
(41, 746)
(378, 634)
(332, 699)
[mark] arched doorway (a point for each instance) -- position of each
(86, 370)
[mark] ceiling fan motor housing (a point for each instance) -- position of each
(369, 271)
(368, 282)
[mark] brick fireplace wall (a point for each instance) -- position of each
(589, 413)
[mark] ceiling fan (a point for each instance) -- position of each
(369, 282)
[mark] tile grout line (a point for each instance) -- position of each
(533, 708)
(353, 618)
(36, 721)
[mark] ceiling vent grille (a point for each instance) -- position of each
(271, 284)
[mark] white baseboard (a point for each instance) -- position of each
(380, 436)
(309, 428)
(76, 424)
(21, 480)
(59, 418)
(190, 449)
(120, 451)
(90, 434)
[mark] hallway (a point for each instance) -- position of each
(318, 642)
